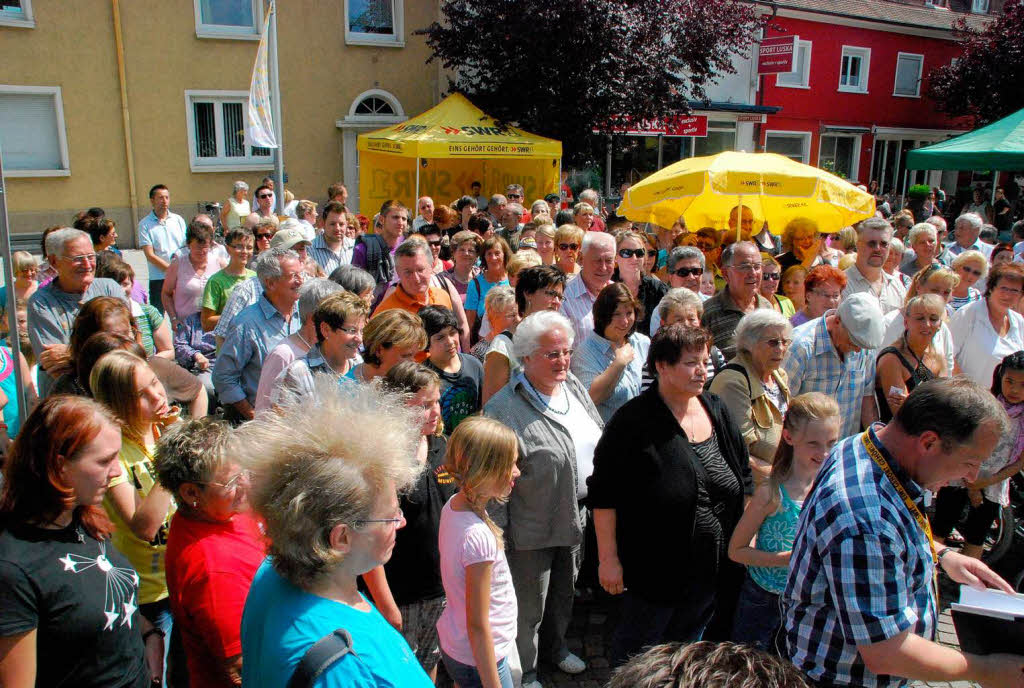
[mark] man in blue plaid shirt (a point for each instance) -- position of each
(860, 603)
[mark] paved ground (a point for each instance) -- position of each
(592, 625)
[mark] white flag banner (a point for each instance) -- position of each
(259, 122)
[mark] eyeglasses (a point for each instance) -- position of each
(568, 247)
(771, 276)
(350, 331)
(555, 355)
(233, 481)
(552, 294)
(747, 267)
(1010, 290)
(631, 253)
(397, 520)
(827, 296)
(688, 272)
(775, 343)
(83, 259)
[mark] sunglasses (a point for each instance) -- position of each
(264, 196)
(568, 247)
(651, 252)
(264, 236)
(434, 242)
(631, 253)
(688, 272)
(771, 276)
(513, 196)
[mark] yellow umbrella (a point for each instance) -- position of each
(775, 188)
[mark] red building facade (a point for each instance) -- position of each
(857, 100)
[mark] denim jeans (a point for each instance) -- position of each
(467, 676)
(758, 617)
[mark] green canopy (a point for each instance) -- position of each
(998, 146)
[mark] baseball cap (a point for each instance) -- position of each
(863, 320)
(528, 242)
(288, 236)
(553, 198)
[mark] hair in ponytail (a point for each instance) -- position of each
(481, 455)
(802, 409)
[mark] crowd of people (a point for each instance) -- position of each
(328, 449)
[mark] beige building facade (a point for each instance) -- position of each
(102, 99)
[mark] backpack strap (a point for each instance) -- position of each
(738, 368)
(320, 657)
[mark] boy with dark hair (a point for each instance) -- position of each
(462, 375)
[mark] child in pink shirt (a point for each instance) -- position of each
(477, 629)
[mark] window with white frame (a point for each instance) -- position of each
(908, 75)
(374, 22)
(800, 77)
(979, 6)
(853, 69)
(32, 135)
(16, 13)
(792, 144)
(838, 154)
(228, 18)
(216, 133)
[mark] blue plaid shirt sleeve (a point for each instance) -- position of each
(227, 371)
(871, 608)
(794, 364)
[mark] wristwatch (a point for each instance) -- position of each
(941, 553)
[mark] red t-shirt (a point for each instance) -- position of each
(210, 567)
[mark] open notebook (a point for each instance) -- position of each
(989, 621)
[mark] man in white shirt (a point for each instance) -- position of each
(867, 275)
(161, 235)
(425, 207)
(598, 264)
(966, 230)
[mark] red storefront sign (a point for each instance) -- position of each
(776, 55)
(677, 125)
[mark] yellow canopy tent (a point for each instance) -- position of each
(441, 152)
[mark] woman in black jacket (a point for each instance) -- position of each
(670, 462)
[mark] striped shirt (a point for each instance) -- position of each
(578, 306)
(865, 570)
(721, 316)
(326, 257)
(813, 365)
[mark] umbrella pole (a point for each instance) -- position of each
(739, 217)
(416, 198)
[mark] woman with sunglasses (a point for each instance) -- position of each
(568, 239)
(629, 262)
(771, 275)
(263, 233)
(970, 266)
(214, 547)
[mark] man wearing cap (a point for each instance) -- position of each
(554, 202)
(835, 355)
(291, 235)
(331, 250)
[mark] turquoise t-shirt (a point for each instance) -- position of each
(281, 622)
(776, 534)
(9, 385)
(476, 292)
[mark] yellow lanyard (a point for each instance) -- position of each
(877, 457)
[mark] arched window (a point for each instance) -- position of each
(372, 105)
(375, 103)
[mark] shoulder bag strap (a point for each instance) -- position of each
(740, 369)
(320, 657)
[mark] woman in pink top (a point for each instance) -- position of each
(477, 629)
(186, 277)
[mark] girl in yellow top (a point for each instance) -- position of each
(140, 509)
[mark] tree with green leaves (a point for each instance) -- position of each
(985, 80)
(562, 68)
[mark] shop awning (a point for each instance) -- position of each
(998, 146)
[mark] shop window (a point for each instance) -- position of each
(838, 155)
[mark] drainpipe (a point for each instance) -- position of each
(125, 117)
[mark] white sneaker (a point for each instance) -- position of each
(572, 664)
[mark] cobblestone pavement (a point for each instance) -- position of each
(593, 621)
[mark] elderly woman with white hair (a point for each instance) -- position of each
(558, 427)
(237, 208)
(685, 306)
(753, 385)
(330, 504)
(923, 240)
(892, 263)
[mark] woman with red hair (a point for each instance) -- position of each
(823, 289)
(69, 612)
